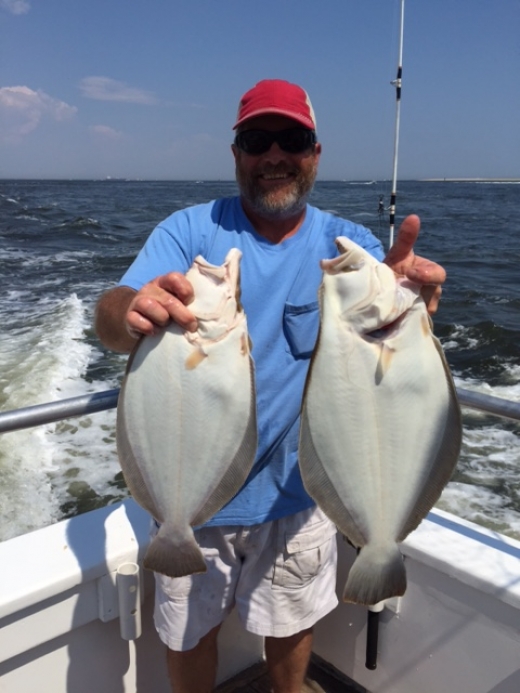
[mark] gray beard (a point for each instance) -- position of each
(271, 205)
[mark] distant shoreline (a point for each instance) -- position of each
(110, 179)
(468, 180)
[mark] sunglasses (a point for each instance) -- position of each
(292, 140)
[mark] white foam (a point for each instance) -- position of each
(488, 462)
(460, 338)
(480, 505)
(46, 358)
(46, 363)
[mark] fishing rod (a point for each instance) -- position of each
(397, 83)
(375, 610)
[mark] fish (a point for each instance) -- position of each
(380, 430)
(186, 426)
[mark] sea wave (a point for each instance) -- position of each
(45, 363)
(77, 239)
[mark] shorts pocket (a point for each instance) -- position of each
(293, 571)
(301, 324)
(176, 589)
(300, 560)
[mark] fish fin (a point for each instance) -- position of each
(239, 469)
(174, 555)
(378, 573)
(445, 460)
(384, 361)
(246, 345)
(196, 357)
(427, 325)
(320, 488)
(133, 353)
(129, 466)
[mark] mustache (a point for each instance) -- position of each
(278, 169)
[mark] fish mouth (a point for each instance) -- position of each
(350, 259)
(227, 272)
(340, 264)
(226, 281)
(385, 331)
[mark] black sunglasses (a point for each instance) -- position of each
(292, 140)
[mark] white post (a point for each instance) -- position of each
(129, 596)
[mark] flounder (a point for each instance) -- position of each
(380, 425)
(186, 418)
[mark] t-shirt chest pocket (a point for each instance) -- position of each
(301, 325)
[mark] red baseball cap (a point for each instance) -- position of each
(278, 97)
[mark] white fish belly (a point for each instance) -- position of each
(186, 423)
(185, 426)
(378, 439)
(381, 430)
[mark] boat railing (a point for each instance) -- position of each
(51, 412)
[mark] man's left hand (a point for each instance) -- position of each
(402, 259)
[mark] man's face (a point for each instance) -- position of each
(275, 184)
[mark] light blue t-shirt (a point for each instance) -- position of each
(279, 292)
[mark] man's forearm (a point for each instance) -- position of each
(110, 315)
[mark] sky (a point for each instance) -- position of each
(149, 89)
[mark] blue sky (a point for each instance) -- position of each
(149, 88)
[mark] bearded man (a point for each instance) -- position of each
(273, 552)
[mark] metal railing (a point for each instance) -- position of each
(41, 414)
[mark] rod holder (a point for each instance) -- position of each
(129, 597)
(373, 634)
(372, 639)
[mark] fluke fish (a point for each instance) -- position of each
(186, 417)
(381, 427)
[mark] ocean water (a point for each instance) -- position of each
(62, 243)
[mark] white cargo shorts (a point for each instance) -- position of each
(280, 576)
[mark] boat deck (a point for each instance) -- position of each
(321, 678)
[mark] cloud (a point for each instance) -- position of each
(15, 6)
(106, 89)
(21, 110)
(105, 132)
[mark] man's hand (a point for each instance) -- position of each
(163, 299)
(123, 315)
(402, 259)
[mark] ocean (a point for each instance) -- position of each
(62, 243)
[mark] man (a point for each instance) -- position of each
(270, 551)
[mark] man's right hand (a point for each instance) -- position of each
(163, 299)
(123, 315)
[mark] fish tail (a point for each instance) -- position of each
(378, 573)
(173, 554)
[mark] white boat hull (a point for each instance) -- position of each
(59, 611)
(457, 627)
